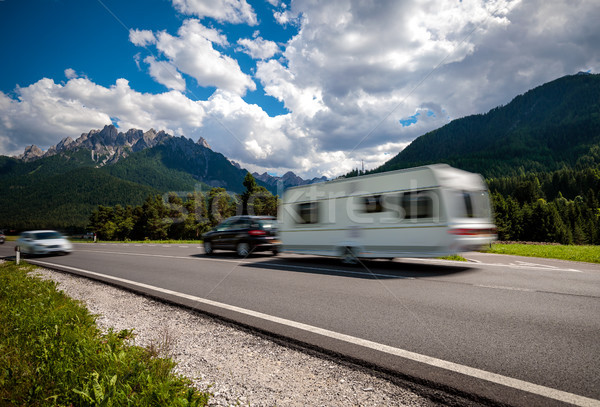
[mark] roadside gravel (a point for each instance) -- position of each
(236, 366)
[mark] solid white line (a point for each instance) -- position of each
(501, 287)
(428, 360)
(337, 271)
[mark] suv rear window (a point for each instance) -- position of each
(267, 224)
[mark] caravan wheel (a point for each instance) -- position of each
(349, 256)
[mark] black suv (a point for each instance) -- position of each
(244, 234)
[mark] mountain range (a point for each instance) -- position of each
(553, 126)
(61, 186)
(109, 146)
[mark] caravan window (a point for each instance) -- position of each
(417, 205)
(372, 204)
(472, 204)
(308, 212)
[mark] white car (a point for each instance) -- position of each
(43, 242)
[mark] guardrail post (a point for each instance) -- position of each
(18, 254)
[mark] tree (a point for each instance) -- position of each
(155, 218)
(221, 204)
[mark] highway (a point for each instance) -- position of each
(519, 331)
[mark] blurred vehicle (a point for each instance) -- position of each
(2, 237)
(43, 242)
(244, 235)
(429, 211)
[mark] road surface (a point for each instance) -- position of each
(520, 331)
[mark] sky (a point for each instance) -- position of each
(314, 87)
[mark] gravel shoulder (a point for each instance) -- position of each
(236, 366)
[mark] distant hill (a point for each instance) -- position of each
(552, 126)
(60, 187)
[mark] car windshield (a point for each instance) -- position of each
(47, 235)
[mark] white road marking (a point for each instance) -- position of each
(524, 263)
(428, 360)
(524, 266)
(337, 271)
(501, 287)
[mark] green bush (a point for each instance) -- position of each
(52, 354)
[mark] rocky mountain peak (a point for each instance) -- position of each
(202, 142)
(31, 153)
(108, 145)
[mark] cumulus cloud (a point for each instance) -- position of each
(192, 53)
(70, 73)
(232, 11)
(258, 48)
(359, 80)
(165, 73)
(45, 112)
(141, 38)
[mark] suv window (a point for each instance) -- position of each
(226, 225)
(241, 224)
(267, 224)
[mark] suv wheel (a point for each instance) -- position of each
(243, 249)
(208, 248)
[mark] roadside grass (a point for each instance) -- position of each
(589, 254)
(455, 257)
(52, 353)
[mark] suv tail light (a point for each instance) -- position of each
(257, 232)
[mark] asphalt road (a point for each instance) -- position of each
(520, 331)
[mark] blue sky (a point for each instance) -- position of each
(92, 38)
(312, 87)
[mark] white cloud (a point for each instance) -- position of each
(165, 73)
(192, 53)
(279, 82)
(348, 77)
(46, 112)
(284, 17)
(141, 38)
(258, 48)
(70, 73)
(231, 11)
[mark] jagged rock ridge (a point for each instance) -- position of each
(107, 145)
(289, 179)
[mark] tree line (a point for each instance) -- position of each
(180, 217)
(561, 207)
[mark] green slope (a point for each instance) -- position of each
(61, 191)
(63, 200)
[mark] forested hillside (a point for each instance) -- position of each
(59, 191)
(561, 207)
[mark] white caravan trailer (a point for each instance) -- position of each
(429, 211)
